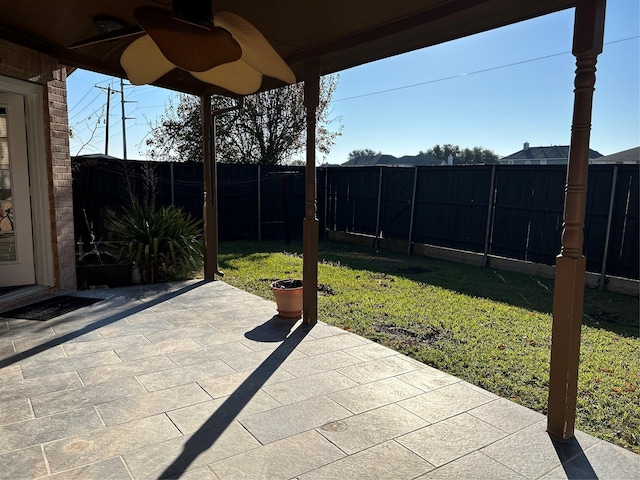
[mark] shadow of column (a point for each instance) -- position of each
(271, 331)
(575, 463)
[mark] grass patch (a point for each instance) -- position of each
(488, 327)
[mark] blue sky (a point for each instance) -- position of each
(497, 90)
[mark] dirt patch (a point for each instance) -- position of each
(426, 337)
(325, 290)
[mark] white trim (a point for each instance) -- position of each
(38, 178)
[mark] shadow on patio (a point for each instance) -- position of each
(201, 380)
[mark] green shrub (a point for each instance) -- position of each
(165, 243)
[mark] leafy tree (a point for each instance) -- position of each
(270, 129)
(466, 156)
(362, 152)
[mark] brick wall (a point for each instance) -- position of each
(25, 64)
(62, 188)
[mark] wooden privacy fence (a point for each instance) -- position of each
(503, 210)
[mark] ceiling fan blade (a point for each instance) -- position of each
(256, 50)
(104, 37)
(143, 61)
(191, 46)
(237, 77)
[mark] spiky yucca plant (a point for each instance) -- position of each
(165, 243)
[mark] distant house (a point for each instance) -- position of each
(631, 156)
(553, 155)
(405, 161)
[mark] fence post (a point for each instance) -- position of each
(173, 195)
(492, 196)
(259, 207)
(605, 253)
(378, 213)
(413, 208)
(326, 200)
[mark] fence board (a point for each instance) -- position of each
(528, 213)
(451, 206)
(450, 210)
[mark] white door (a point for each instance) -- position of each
(16, 240)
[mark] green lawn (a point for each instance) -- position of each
(489, 327)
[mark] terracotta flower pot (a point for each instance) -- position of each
(288, 294)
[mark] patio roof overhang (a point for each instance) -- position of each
(321, 37)
(339, 34)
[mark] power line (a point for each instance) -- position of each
(379, 92)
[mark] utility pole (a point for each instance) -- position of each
(124, 119)
(106, 140)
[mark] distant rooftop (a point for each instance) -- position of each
(555, 152)
(407, 160)
(631, 156)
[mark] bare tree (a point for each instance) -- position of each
(270, 129)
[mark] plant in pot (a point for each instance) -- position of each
(288, 295)
(163, 244)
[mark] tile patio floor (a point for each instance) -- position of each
(200, 381)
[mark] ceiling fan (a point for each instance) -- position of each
(223, 50)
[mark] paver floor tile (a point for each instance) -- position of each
(474, 466)
(378, 369)
(532, 453)
(120, 329)
(16, 410)
(6, 350)
(428, 378)
(33, 354)
(287, 458)
(507, 415)
(373, 395)
(318, 346)
(131, 368)
(292, 419)
(242, 381)
(93, 346)
(370, 428)
(37, 386)
(154, 314)
(71, 399)
(321, 330)
(11, 373)
(111, 469)
(164, 347)
(148, 404)
(386, 461)
(370, 351)
(312, 365)
(445, 402)
(183, 375)
(221, 410)
(69, 364)
(204, 355)
(109, 442)
(253, 360)
(202, 473)
(25, 463)
(19, 435)
(445, 441)
(603, 461)
(193, 332)
(298, 389)
(191, 452)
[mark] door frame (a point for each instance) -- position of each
(37, 154)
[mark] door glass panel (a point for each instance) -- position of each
(7, 239)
